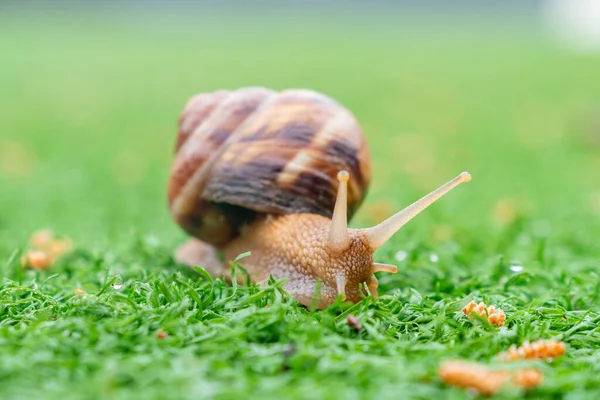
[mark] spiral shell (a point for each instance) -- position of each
(255, 151)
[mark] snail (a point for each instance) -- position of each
(278, 174)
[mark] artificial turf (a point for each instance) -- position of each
(88, 110)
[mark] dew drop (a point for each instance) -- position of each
(401, 255)
(516, 268)
(117, 282)
(434, 258)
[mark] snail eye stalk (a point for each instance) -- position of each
(379, 234)
(338, 232)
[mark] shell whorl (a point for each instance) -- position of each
(257, 151)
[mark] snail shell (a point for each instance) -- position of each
(255, 151)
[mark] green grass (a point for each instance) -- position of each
(87, 125)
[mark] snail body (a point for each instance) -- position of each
(278, 174)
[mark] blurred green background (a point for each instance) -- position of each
(90, 97)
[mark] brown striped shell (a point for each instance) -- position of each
(257, 151)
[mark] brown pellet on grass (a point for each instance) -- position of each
(36, 259)
(45, 250)
(354, 323)
(161, 335)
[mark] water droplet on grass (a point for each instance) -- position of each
(401, 255)
(118, 283)
(516, 268)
